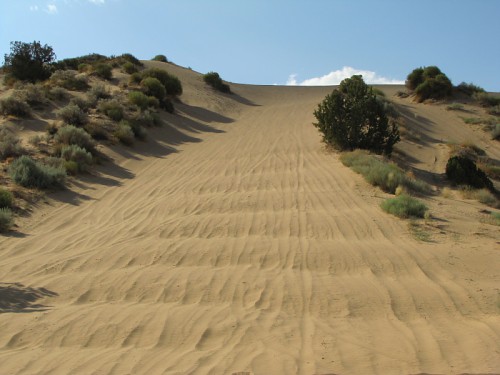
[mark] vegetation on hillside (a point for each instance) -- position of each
(213, 79)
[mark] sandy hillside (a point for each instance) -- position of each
(233, 242)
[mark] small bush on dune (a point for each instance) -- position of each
(72, 115)
(112, 108)
(461, 170)
(161, 58)
(213, 79)
(33, 94)
(6, 198)
(57, 93)
(10, 144)
(469, 88)
(83, 104)
(6, 219)
(103, 70)
(69, 80)
(148, 119)
(135, 78)
(71, 135)
(171, 83)
(404, 206)
(125, 134)
(98, 91)
(128, 57)
(139, 99)
(12, 106)
(153, 87)
(486, 100)
(429, 83)
(129, 68)
(26, 172)
(98, 130)
(78, 155)
(136, 128)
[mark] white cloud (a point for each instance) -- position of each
(33, 8)
(336, 76)
(51, 9)
(96, 1)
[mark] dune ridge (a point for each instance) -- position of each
(233, 242)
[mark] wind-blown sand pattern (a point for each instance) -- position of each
(233, 241)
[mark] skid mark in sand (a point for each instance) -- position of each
(251, 251)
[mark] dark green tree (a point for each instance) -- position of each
(29, 61)
(351, 117)
(429, 83)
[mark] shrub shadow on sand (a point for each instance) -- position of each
(17, 298)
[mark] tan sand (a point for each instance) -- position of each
(233, 241)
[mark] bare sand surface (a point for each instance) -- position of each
(234, 242)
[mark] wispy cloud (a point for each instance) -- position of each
(336, 76)
(33, 8)
(51, 9)
(97, 1)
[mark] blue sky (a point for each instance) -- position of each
(274, 41)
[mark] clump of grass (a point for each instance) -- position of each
(139, 99)
(97, 92)
(6, 219)
(125, 134)
(71, 135)
(69, 80)
(404, 206)
(72, 115)
(495, 218)
(36, 139)
(78, 155)
(13, 106)
(481, 195)
(112, 108)
(486, 100)
(103, 70)
(6, 198)
(29, 173)
(455, 107)
(10, 144)
(473, 120)
(379, 173)
(418, 231)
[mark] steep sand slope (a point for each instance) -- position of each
(233, 242)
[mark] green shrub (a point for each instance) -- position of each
(131, 59)
(469, 88)
(10, 144)
(6, 219)
(12, 106)
(148, 119)
(161, 58)
(139, 99)
(69, 80)
(71, 135)
(26, 172)
(29, 61)
(352, 117)
(404, 206)
(153, 102)
(98, 130)
(136, 128)
(33, 94)
(461, 170)
(387, 176)
(171, 83)
(83, 104)
(494, 111)
(429, 83)
(79, 155)
(57, 93)
(129, 68)
(213, 79)
(112, 108)
(486, 100)
(135, 78)
(125, 134)
(98, 91)
(6, 198)
(75, 62)
(84, 68)
(72, 115)
(455, 107)
(103, 70)
(153, 87)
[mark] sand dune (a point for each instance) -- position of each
(232, 242)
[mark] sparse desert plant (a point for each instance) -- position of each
(69, 80)
(486, 100)
(148, 119)
(402, 94)
(125, 134)
(493, 218)
(10, 144)
(33, 94)
(36, 139)
(494, 111)
(72, 115)
(135, 78)
(71, 135)
(98, 130)
(429, 83)
(462, 170)
(78, 155)
(161, 58)
(352, 117)
(469, 88)
(6, 219)
(455, 107)
(26, 172)
(139, 99)
(404, 206)
(481, 195)
(6, 198)
(153, 87)
(112, 108)
(13, 106)
(171, 83)
(97, 92)
(29, 61)
(103, 70)
(129, 68)
(473, 120)
(213, 79)
(137, 129)
(82, 103)
(57, 93)
(379, 173)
